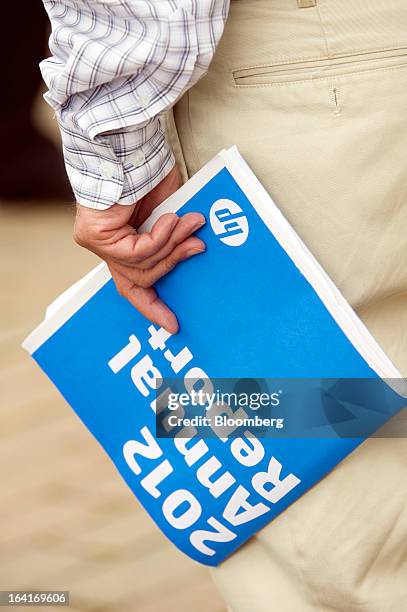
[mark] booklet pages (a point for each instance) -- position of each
(256, 305)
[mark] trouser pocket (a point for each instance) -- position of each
(319, 68)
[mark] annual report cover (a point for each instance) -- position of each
(256, 306)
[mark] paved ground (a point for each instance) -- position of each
(67, 520)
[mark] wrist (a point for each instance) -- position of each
(93, 224)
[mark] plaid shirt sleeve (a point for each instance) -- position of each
(115, 66)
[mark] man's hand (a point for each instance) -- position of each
(137, 261)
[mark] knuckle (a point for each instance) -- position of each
(170, 263)
(172, 242)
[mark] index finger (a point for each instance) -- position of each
(146, 301)
(151, 243)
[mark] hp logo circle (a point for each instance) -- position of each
(229, 222)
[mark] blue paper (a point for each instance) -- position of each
(245, 310)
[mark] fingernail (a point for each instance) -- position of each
(171, 329)
(195, 251)
(199, 224)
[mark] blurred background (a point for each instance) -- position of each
(68, 521)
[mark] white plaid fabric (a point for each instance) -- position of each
(115, 65)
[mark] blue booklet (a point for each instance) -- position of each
(256, 305)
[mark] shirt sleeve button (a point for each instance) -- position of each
(107, 169)
(144, 99)
(137, 158)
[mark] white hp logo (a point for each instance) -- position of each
(229, 222)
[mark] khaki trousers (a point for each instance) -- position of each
(315, 97)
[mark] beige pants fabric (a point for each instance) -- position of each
(316, 100)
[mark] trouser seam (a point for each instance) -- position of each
(191, 134)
